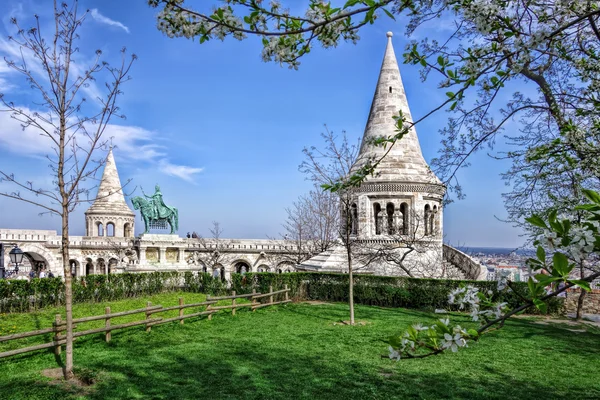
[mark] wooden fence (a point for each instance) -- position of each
(59, 326)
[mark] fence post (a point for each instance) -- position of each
(57, 335)
(271, 296)
(253, 300)
(233, 303)
(181, 311)
(208, 308)
(107, 335)
(287, 293)
(148, 316)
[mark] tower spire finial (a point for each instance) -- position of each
(405, 161)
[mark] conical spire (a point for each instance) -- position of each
(110, 197)
(405, 162)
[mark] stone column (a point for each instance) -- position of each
(180, 255)
(142, 257)
(162, 255)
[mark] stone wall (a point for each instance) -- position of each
(591, 302)
(471, 268)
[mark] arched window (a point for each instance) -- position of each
(390, 218)
(434, 227)
(427, 218)
(377, 216)
(110, 229)
(344, 221)
(354, 221)
(100, 229)
(127, 230)
(242, 268)
(404, 210)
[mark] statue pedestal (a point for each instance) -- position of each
(158, 237)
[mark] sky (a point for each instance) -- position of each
(222, 132)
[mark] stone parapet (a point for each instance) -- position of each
(591, 302)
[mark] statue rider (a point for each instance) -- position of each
(157, 201)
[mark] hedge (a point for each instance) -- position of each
(25, 295)
(384, 291)
(426, 294)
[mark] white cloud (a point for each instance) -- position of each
(105, 20)
(181, 171)
(133, 143)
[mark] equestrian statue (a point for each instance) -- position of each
(155, 213)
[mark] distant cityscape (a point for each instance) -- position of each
(502, 261)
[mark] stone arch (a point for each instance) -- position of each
(75, 271)
(112, 264)
(389, 211)
(89, 267)
(37, 254)
(101, 265)
(263, 268)
(405, 220)
(127, 230)
(427, 217)
(354, 219)
(110, 229)
(285, 266)
(241, 267)
(377, 217)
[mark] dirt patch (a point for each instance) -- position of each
(81, 382)
(316, 303)
(359, 323)
(577, 326)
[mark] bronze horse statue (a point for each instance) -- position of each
(152, 213)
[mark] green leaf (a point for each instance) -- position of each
(450, 94)
(540, 305)
(389, 14)
(536, 220)
(473, 333)
(453, 106)
(592, 196)
(585, 285)
(541, 254)
(560, 264)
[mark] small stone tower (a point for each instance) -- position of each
(110, 215)
(404, 197)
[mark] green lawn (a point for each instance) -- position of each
(296, 352)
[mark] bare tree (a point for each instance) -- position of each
(326, 167)
(72, 126)
(413, 250)
(312, 224)
(213, 254)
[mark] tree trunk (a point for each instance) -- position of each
(350, 284)
(579, 313)
(68, 368)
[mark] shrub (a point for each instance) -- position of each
(384, 291)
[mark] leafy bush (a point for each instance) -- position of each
(384, 291)
(23, 295)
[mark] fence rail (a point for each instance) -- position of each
(59, 326)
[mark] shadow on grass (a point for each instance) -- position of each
(246, 372)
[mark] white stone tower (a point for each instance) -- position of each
(404, 197)
(110, 215)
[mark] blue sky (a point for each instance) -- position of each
(222, 132)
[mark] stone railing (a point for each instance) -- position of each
(471, 268)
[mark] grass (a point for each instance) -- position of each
(296, 352)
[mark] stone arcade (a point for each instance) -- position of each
(403, 199)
